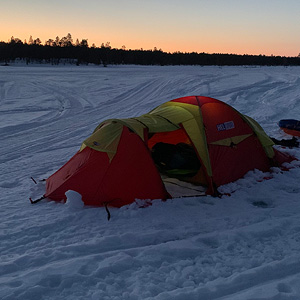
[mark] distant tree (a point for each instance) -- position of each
(30, 41)
(50, 42)
(69, 39)
(37, 41)
(15, 40)
(57, 41)
(106, 45)
(84, 43)
(66, 41)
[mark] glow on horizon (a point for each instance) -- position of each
(210, 26)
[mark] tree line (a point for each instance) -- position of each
(64, 50)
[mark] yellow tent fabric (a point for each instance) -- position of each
(262, 136)
(170, 116)
(191, 119)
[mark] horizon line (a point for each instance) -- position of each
(124, 48)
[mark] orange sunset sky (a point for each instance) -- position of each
(212, 26)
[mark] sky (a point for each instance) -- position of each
(268, 27)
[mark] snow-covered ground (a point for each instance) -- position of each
(185, 248)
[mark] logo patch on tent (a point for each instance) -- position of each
(225, 126)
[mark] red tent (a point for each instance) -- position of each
(114, 165)
(130, 174)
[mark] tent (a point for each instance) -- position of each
(114, 165)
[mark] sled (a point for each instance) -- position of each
(290, 126)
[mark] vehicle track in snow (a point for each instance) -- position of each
(179, 249)
(242, 256)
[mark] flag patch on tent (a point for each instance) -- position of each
(225, 126)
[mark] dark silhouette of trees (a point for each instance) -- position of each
(64, 50)
(30, 41)
(66, 41)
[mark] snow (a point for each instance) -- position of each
(243, 246)
(74, 200)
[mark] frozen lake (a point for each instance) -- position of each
(191, 248)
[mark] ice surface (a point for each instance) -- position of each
(184, 248)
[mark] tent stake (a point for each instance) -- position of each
(108, 213)
(33, 180)
(37, 200)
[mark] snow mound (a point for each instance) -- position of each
(74, 200)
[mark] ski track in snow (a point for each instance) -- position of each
(190, 248)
